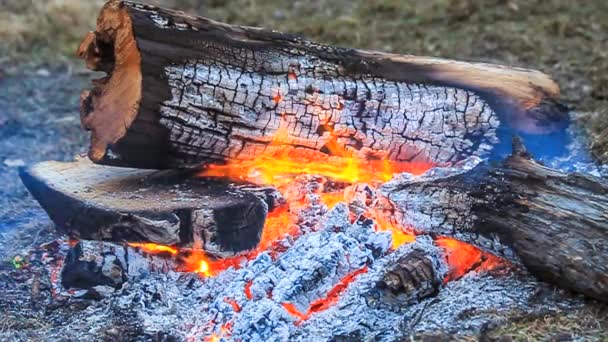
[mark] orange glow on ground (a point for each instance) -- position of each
(463, 258)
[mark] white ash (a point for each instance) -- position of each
(477, 300)
(187, 306)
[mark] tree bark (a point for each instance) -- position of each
(554, 223)
(94, 202)
(183, 91)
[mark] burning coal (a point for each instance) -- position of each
(310, 188)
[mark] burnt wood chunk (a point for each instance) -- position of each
(184, 91)
(96, 202)
(415, 276)
(552, 222)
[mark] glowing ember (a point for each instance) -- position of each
(197, 261)
(277, 97)
(277, 226)
(235, 306)
(153, 248)
(330, 299)
(248, 293)
(294, 311)
(332, 296)
(463, 258)
(225, 331)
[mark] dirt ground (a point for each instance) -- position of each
(40, 84)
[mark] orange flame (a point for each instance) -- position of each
(463, 258)
(281, 166)
(280, 161)
(330, 199)
(400, 235)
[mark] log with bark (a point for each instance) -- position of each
(554, 223)
(182, 91)
(95, 202)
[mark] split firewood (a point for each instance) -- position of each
(183, 91)
(555, 223)
(95, 202)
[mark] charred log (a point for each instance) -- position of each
(553, 223)
(557, 223)
(94, 202)
(183, 91)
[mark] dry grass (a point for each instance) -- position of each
(44, 30)
(589, 324)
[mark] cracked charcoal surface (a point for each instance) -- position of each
(230, 112)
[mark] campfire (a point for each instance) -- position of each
(244, 185)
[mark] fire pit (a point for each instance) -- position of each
(250, 185)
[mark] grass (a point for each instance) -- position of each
(588, 324)
(35, 31)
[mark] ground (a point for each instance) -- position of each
(40, 83)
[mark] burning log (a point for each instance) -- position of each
(95, 202)
(555, 223)
(183, 91)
